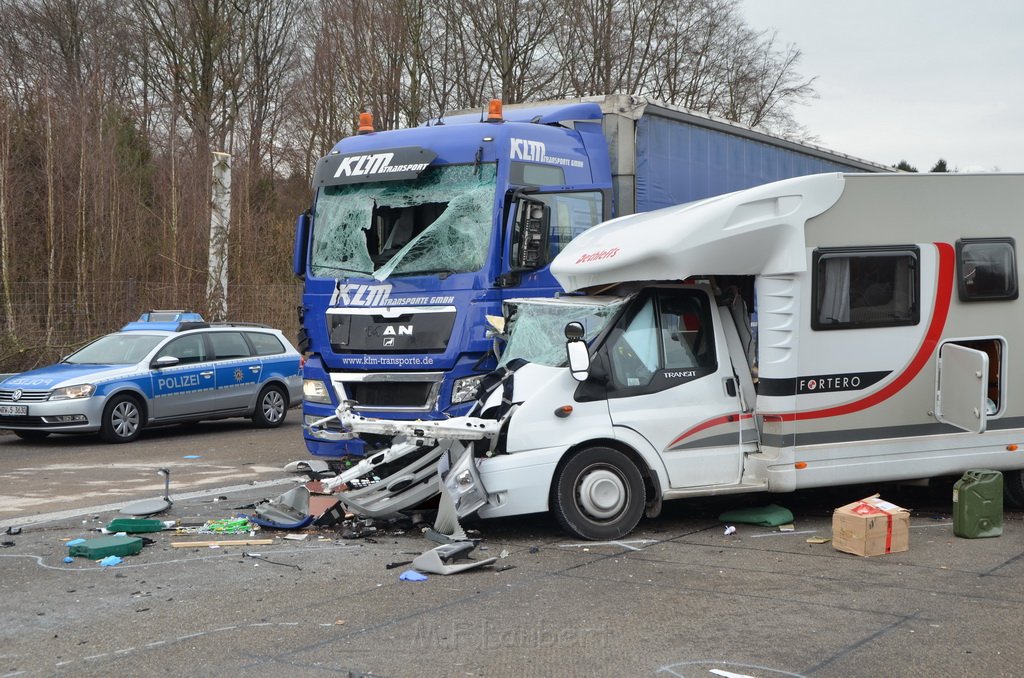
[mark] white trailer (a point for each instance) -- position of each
(822, 330)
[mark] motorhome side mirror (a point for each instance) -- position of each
(577, 352)
(530, 243)
(574, 331)
(299, 249)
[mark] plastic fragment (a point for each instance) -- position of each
(412, 575)
(110, 561)
(74, 542)
(731, 529)
(68, 559)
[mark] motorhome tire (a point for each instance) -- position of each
(271, 407)
(598, 494)
(122, 419)
(1013, 488)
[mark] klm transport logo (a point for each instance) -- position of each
(349, 294)
(374, 163)
(356, 294)
(537, 151)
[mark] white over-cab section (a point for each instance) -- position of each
(823, 330)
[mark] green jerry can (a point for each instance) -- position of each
(978, 504)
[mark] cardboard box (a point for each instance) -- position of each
(871, 527)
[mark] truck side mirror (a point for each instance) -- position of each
(577, 352)
(299, 250)
(530, 241)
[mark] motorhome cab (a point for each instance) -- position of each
(817, 331)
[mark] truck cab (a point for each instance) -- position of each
(415, 236)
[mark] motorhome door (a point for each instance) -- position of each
(671, 381)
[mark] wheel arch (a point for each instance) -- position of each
(281, 384)
(140, 398)
(652, 484)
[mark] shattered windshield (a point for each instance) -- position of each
(537, 328)
(439, 222)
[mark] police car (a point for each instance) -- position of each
(168, 367)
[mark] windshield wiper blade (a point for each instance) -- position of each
(361, 274)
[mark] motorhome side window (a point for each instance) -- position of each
(986, 269)
(869, 287)
(670, 333)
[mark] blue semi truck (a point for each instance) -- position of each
(416, 235)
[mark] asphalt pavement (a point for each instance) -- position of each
(678, 597)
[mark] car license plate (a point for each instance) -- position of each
(14, 410)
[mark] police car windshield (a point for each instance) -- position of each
(116, 349)
(437, 222)
(537, 327)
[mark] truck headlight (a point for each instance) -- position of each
(315, 391)
(73, 392)
(466, 389)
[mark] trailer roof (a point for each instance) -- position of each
(759, 230)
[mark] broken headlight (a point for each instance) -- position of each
(462, 481)
(466, 389)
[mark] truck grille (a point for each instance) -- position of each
(413, 332)
(390, 391)
(383, 395)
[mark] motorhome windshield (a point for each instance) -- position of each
(439, 222)
(537, 327)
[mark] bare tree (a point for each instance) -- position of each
(513, 38)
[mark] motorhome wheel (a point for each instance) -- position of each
(598, 494)
(1013, 487)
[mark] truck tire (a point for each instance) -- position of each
(271, 407)
(1013, 488)
(598, 494)
(122, 419)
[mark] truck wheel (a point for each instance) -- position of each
(1013, 488)
(31, 435)
(598, 494)
(122, 419)
(271, 407)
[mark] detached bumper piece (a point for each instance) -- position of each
(449, 559)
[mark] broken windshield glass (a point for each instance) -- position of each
(439, 222)
(537, 328)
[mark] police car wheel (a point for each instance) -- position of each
(31, 435)
(122, 420)
(598, 494)
(271, 407)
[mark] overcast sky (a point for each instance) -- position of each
(913, 80)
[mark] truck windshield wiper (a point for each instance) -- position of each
(340, 269)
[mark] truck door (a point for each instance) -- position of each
(672, 382)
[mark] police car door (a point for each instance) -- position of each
(238, 370)
(672, 382)
(188, 386)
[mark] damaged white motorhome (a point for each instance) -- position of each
(823, 330)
